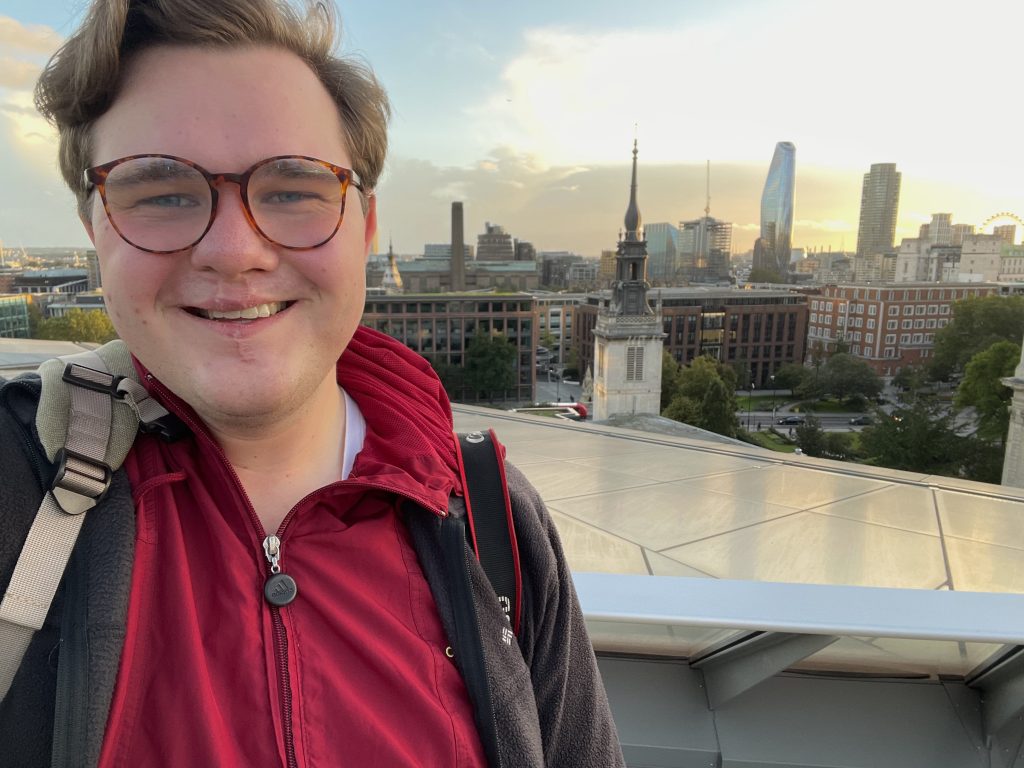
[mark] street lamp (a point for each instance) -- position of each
(772, 379)
(750, 404)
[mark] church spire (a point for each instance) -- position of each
(633, 220)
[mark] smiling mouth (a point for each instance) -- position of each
(249, 313)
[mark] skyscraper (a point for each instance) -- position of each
(662, 248)
(705, 245)
(879, 202)
(772, 248)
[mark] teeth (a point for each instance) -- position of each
(249, 313)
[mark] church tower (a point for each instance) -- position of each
(628, 338)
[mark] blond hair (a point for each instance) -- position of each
(82, 78)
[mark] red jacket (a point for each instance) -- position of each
(354, 672)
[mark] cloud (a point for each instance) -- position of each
(33, 38)
(18, 74)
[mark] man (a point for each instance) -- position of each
(224, 163)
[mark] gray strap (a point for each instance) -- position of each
(81, 480)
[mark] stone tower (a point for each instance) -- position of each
(628, 338)
(1013, 460)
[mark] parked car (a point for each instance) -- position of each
(791, 420)
(861, 420)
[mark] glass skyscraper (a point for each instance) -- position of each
(773, 247)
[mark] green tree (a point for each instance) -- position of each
(763, 275)
(917, 437)
(977, 324)
(78, 325)
(671, 374)
(982, 388)
(792, 376)
(910, 378)
(490, 365)
(847, 377)
(706, 397)
(811, 437)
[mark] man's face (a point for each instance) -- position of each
(227, 110)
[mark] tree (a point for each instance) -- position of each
(77, 325)
(671, 373)
(490, 365)
(811, 437)
(846, 377)
(918, 438)
(982, 388)
(977, 324)
(791, 376)
(763, 275)
(706, 397)
(910, 378)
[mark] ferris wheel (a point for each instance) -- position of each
(1001, 216)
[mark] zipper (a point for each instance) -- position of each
(272, 552)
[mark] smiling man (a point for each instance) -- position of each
(224, 161)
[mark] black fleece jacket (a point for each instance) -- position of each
(539, 704)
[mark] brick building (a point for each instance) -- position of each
(888, 326)
(754, 331)
(440, 327)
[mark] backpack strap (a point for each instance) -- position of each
(491, 531)
(86, 432)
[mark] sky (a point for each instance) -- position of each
(527, 113)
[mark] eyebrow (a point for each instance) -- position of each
(154, 172)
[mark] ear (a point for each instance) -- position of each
(371, 225)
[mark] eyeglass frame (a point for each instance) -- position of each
(96, 176)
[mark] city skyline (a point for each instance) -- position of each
(518, 113)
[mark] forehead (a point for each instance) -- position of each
(223, 108)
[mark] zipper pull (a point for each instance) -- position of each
(279, 588)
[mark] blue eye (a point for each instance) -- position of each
(169, 201)
(288, 196)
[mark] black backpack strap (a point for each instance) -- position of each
(491, 532)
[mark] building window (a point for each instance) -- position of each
(869, 338)
(634, 364)
(930, 324)
(904, 338)
(944, 309)
(890, 338)
(919, 324)
(908, 324)
(908, 309)
(933, 309)
(943, 323)
(892, 325)
(921, 309)
(894, 310)
(871, 323)
(917, 338)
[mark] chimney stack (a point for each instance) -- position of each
(458, 261)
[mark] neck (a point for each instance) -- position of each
(283, 461)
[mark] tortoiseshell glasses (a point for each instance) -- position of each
(164, 204)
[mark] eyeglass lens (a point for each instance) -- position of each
(164, 205)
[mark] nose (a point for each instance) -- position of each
(233, 246)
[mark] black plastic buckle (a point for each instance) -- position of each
(168, 428)
(107, 389)
(62, 469)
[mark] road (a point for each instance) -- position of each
(830, 422)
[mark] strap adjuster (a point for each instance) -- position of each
(90, 378)
(80, 482)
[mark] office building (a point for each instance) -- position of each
(772, 249)
(879, 204)
(888, 326)
(440, 327)
(662, 252)
(705, 247)
(495, 244)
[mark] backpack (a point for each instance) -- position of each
(90, 410)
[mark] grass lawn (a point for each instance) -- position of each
(771, 441)
(761, 402)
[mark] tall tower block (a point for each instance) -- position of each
(458, 260)
(628, 338)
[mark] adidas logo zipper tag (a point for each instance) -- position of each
(280, 588)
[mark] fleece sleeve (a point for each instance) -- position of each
(572, 706)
